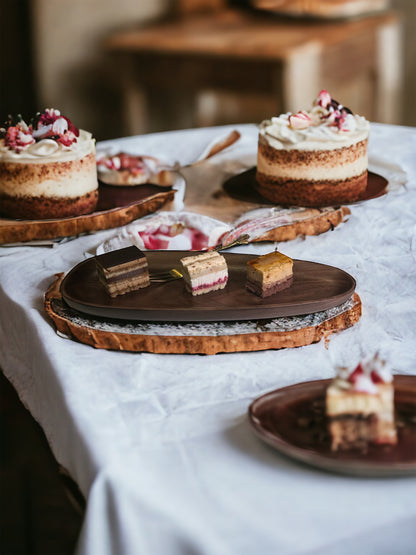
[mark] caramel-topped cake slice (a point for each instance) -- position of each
(268, 274)
(360, 406)
(122, 270)
(204, 272)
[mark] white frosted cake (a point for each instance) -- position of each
(313, 158)
(47, 168)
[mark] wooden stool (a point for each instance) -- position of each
(163, 68)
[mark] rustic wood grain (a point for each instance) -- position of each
(14, 231)
(195, 344)
(317, 224)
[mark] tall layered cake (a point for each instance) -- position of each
(47, 168)
(313, 158)
(204, 272)
(360, 406)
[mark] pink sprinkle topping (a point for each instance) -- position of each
(51, 125)
(48, 125)
(301, 120)
(18, 137)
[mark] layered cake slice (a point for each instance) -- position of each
(122, 270)
(360, 406)
(313, 158)
(204, 272)
(268, 274)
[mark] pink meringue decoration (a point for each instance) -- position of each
(301, 120)
(324, 99)
(19, 136)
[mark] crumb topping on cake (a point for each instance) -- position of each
(327, 121)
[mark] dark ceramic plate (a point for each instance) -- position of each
(244, 187)
(292, 420)
(315, 287)
(116, 196)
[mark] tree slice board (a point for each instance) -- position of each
(110, 214)
(201, 337)
(315, 221)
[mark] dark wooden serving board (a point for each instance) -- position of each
(117, 206)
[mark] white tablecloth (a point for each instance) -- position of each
(161, 445)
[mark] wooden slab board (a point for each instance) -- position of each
(197, 338)
(16, 231)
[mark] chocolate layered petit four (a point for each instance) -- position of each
(204, 272)
(360, 406)
(313, 158)
(47, 168)
(268, 274)
(122, 270)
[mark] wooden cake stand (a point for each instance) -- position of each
(114, 210)
(197, 337)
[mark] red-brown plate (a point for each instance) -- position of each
(292, 420)
(315, 287)
(244, 187)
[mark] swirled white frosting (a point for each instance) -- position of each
(321, 135)
(48, 150)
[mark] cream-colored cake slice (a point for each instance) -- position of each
(360, 406)
(204, 272)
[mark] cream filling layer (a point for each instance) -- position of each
(338, 402)
(312, 173)
(78, 185)
(206, 280)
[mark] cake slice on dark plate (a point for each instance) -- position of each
(204, 272)
(360, 406)
(122, 270)
(270, 273)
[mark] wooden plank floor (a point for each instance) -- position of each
(37, 517)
